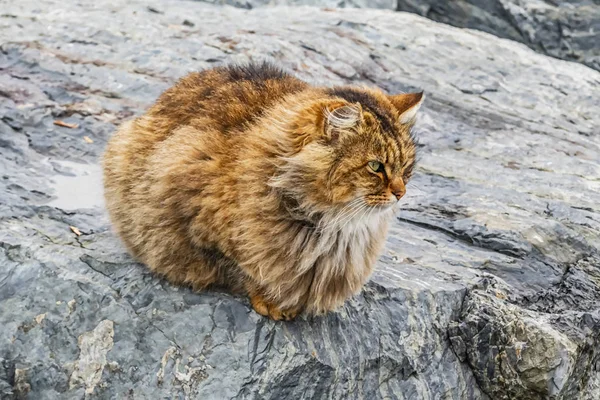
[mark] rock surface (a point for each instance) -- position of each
(250, 4)
(569, 30)
(564, 29)
(488, 286)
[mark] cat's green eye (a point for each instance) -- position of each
(375, 166)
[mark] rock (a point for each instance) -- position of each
(249, 4)
(93, 347)
(488, 286)
(564, 29)
(569, 30)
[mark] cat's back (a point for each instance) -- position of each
(219, 100)
(226, 98)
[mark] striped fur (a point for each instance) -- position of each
(248, 178)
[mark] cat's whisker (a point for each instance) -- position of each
(351, 217)
(347, 215)
(363, 213)
(347, 209)
(368, 214)
(328, 219)
(337, 216)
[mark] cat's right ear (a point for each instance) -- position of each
(341, 118)
(407, 105)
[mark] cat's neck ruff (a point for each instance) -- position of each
(353, 219)
(342, 242)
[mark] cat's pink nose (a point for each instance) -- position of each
(397, 188)
(399, 194)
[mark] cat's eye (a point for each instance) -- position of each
(375, 166)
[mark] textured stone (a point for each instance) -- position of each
(564, 29)
(93, 347)
(249, 4)
(488, 286)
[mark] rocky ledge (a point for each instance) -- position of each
(569, 29)
(489, 286)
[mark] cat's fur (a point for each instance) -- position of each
(248, 178)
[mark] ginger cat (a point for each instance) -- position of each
(247, 178)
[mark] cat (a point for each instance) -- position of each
(248, 178)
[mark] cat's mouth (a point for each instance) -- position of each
(381, 201)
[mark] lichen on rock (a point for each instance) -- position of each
(93, 348)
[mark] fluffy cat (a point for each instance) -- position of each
(247, 178)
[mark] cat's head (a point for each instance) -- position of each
(356, 149)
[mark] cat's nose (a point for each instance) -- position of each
(397, 188)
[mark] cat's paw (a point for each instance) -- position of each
(270, 310)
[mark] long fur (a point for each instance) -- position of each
(250, 179)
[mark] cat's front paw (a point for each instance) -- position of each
(263, 307)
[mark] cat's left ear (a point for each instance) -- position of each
(341, 118)
(407, 105)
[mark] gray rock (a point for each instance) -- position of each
(249, 4)
(569, 30)
(488, 286)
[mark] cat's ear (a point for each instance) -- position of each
(341, 117)
(407, 105)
